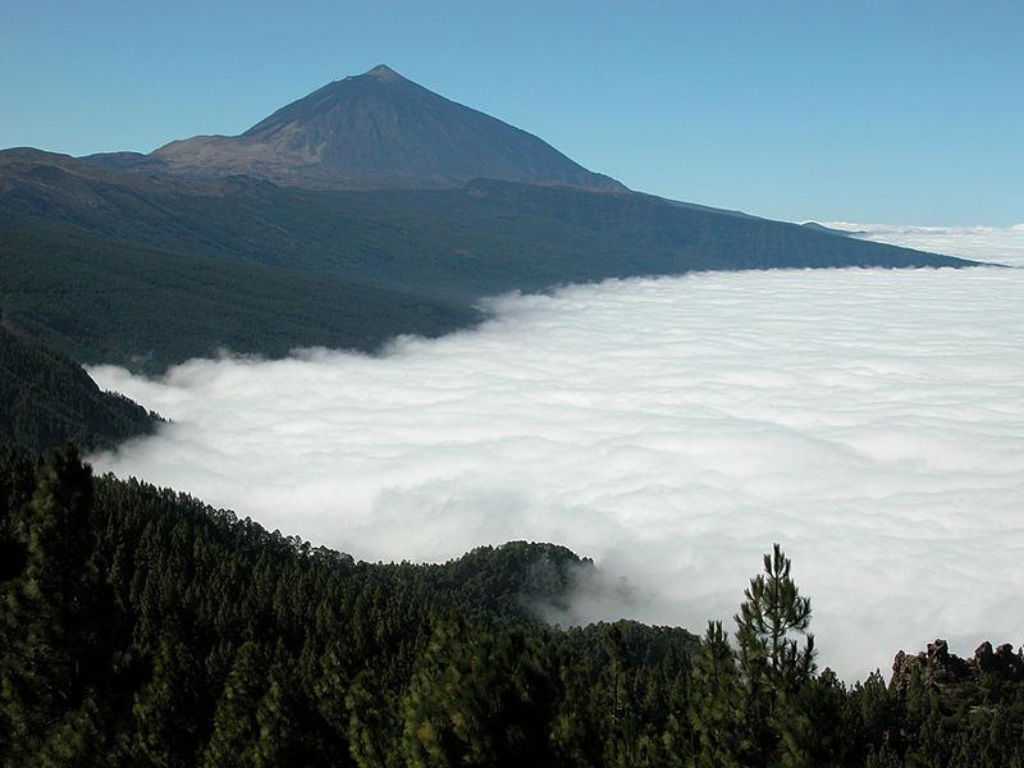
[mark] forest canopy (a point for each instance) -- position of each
(48, 399)
(141, 627)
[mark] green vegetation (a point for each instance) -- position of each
(113, 266)
(139, 627)
(48, 400)
(105, 301)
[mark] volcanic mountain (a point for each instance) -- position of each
(375, 130)
(369, 209)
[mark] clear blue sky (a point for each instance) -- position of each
(899, 112)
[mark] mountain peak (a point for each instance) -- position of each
(383, 72)
(379, 129)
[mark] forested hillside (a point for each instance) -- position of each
(123, 267)
(142, 628)
(108, 301)
(46, 400)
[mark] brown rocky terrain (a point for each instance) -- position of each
(941, 670)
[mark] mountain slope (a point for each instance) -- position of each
(115, 266)
(105, 300)
(46, 400)
(249, 243)
(371, 131)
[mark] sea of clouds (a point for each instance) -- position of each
(870, 421)
(1002, 245)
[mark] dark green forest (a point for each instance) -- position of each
(139, 627)
(47, 399)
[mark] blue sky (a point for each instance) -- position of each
(900, 112)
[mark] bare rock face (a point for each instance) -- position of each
(939, 669)
(379, 130)
(1002, 661)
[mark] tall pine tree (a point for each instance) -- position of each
(716, 703)
(772, 618)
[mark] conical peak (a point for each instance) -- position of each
(383, 72)
(380, 129)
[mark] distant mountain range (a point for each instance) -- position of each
(369, 208)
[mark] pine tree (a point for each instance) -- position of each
(374, 730)
(275, 722)
(235, 729)
(164, 709)
(620, 736)
(479, 698)
(52, 662)
(774, 666)
(716, 703)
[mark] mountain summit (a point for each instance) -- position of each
(375, 130)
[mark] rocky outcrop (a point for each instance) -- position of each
(939, 669)
(1002, 661)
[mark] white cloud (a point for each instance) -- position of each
(871, 421)
(1002, 245)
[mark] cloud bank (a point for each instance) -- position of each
(1002, 245)
(871, 421)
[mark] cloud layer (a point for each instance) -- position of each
(871, 421)
(1003, 245)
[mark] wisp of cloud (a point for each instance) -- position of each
(871, 421)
